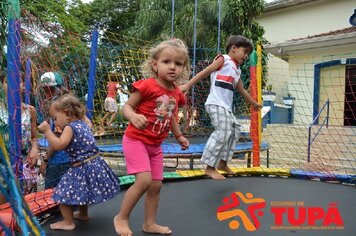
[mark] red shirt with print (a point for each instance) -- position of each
(159, 106)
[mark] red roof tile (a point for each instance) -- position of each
(335, 32)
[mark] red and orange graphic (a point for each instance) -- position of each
(286, 215)
(250, 220)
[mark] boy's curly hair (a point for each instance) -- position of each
(147, 68)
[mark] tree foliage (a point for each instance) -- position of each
(237, 17)
(111, 16)
(63, 12)
(151, 20)
(4, 5)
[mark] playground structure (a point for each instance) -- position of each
(316, 146)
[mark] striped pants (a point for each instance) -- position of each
(221, 143)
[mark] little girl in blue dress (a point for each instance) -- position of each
(90, 180)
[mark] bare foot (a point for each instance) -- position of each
(122, 227)
(156, 229)
(225, 168)
(77, 216)
(214, 174)
(62, 225)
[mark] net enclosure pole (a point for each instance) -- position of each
(92, 74)
(254, 113)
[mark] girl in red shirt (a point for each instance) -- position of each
(152, 110)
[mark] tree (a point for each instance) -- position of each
(237, 17)
(115, 17)
(3, 26)
(60, 12)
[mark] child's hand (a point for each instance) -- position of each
(32, 156)
(183, 142)
(43, 167)
(139, 121)
(257, 106)
(43, 127)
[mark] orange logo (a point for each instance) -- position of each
(251, 222)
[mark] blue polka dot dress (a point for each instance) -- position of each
(91, 182)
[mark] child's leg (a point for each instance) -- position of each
(113, 115)
(231, 145)
(152, 196)
(213, 173)
(151, 206)
(103, 121)
(67, 223)
(224, 167)
(217, 145)
(112, 110)
(133, 194)
(82, 214)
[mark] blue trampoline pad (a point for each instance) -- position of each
(170, 148)
(174, 148)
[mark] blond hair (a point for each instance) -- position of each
(147, 68)
(70, 105)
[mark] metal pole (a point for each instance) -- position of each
(194, 50)
(172, 26)
(92, 74)
(219, 16)
(309, 142)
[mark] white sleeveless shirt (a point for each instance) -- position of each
(223, 83)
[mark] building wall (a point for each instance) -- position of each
(278, 77)
(307, 19)
(298, 74)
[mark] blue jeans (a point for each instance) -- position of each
(54, 174)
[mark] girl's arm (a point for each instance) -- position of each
(246, 95)
(57, 143)
(43, 166)
(203, 74)
(184, 143)
(175, 128)
(138, 120)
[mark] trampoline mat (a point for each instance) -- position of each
(189, 208)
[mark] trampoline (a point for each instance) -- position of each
(192, 205)
(190, 208)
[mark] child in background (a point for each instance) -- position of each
(110, 106)
(225, 77)
(55, 163)
(152, 110)
(90, 180)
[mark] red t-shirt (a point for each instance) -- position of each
(159, 106)
(112, 90)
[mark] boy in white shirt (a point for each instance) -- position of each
(225, 77)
